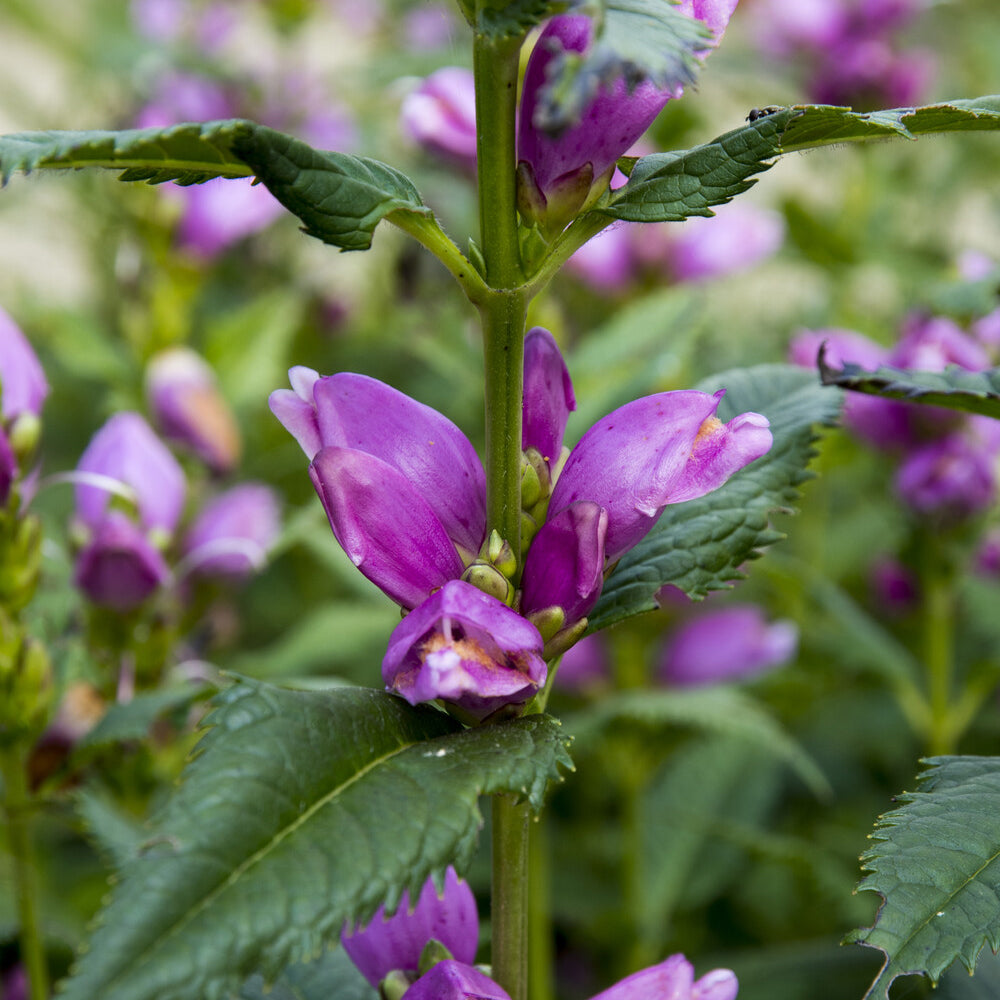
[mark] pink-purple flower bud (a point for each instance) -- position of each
(728, 644)
(119, 568)
(548, 397)
(673, 978)
(467, 649)
(387, 944)
(126, 454)
(440, 115)
(232, 534)
(188, 408)
(23, 387)
(451, 980)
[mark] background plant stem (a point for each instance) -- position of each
(16, 807)
(503, 309)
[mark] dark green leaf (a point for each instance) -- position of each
(936, 864)
(718, 709)
(955, 388)
(331, 977)
(188, 154)
(699, 545)
(132, 720)
(300, 811)
(340, 198)
(116, 833)
(667, 187)
(499, 19)
(634, 40)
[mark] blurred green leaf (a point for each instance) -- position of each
(668, 187)
(936, 864)
(699, 545)
(298, 812)
(715, 709)
(117, 834)
(499, 19)
(634, 40)
(955, 388)
(132, 720)
(331, 977)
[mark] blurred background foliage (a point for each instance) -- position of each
(675, 837)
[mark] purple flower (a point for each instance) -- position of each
(955, 476)
(559, 175)
(23, 387)
(189, 409)
(232, 534)
(15, 984)
(119, 568)
(126, 453)
(547, 398)
(988, 556)
(440, 115)
(466, 648)
(430, 26)
(893, 586)
(387, 944)
(674, 979)
(455, 981)
(585, 666)
(403, 487)
(608, 261)
(734, 642)
(933, 343)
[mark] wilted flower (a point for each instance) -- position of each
(440, 115)
(558, 175)
(387, 944)
(231, 535)
(466, 648)
(734, 642)
(188, 408)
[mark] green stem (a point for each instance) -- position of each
(17, 803)
(541, 953)
(939, 625)
(510, 895)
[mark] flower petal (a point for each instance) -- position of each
(672, 979)
(23, 387)
(384, 525)
(361, 413)
(455, 981)
(548, 395)
(565, 564)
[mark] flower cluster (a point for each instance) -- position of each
(947, 461)
(426, 953)
(405, 494)
(849, 49)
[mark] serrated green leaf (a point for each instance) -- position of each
(500, 19)
(132, 720)
(300, 811)
(667, 187)
(955, 388)
(187, 153)
(634, 40)
(117, 834)
(340, 198)
(717, 709)
(936, 864)
(332, 976)
(698, 546)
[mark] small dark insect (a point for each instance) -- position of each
(756, 113)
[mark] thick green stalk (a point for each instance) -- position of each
(939, 625)
(503, 309)
(541, 951)
(16, 806)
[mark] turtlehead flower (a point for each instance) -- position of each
(728, 644)
(440, 115)
(450, 980)
(391, 944)
(559, 175)
(466, 648)
(188, 408)
(121, 565)
(231, 535)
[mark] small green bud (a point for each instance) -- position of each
(25, 433)
(564, 639)
(500, 554)
(490, 581)
(25, 684)
(529, 528)
(531, 487)
(394, 985)
(434, 952)
(20, 559)
(548, 621)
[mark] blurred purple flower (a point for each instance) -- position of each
(731, 643)
(585, 665)
(14, 984)
(466, 648)
(232, 534)
(450, 980)
(126, 453)
(429, 26)
(119, 568)
(160, 20)
(988, 556)
(558, 175)
(609, 261)
(954, 476)
(932, 343)
(974, 265)
(184, 97)
(188, 408)
(893, 586)
(386, 944)
(23, 387)
(440, 115)
(986, 330)
(784, 27)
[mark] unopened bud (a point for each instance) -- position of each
(490, 581)
(531, 488)
(529, 528)
(533, 458)
(548, 621)
(20, 560)
(25, 685)
(395, 985)
(500, 554)
(564, 639)
(24, 435)
(434, 952)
